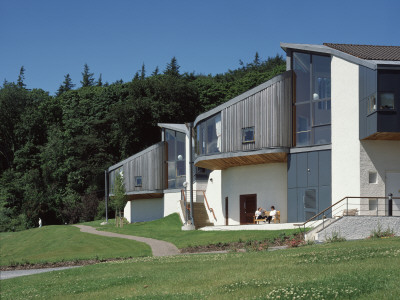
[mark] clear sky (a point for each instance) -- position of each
(51, 38)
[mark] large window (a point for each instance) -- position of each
(312, 99)
(208, 136)
(176, 158)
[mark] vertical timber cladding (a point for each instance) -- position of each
(149, 165)
(268, 111)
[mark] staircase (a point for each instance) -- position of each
(200, 216)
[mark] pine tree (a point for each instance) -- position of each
(21, 78)
(155, 72)
(66, 85)
(172, 68)
(143, 72)
(100, 81)
(256, 61)
(87, 77)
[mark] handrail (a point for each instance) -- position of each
(348, 197)
(210, 209)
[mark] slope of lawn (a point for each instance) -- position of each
(169, 229)
(366, 269)
(63, 243)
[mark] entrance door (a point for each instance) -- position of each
(248, 205)
(393, 186)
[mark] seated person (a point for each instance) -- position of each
(258, 214)
(272, 214)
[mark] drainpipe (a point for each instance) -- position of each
(390, 202)
(191, 170)
(106, 192)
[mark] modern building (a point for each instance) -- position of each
(327, 128)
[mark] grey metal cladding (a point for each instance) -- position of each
(268, 110)
(149, 164)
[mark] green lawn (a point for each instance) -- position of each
(366, 269)
(169, 229)
(63, 243)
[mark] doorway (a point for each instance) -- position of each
(248, 205)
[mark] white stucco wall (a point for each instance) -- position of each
(268, 181)
(171, 203)
(143, 210)
(380, 157)
(214, 198)
(345, 129)
(127, 211)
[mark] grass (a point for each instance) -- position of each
(169, 229)
(63, 243)
(366, 269)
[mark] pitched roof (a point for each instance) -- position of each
(369, 52)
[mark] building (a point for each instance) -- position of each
(327, 128)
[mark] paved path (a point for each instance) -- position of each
(159, 248)
(18, 273)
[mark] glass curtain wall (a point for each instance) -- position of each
(312, 99)
(176, 158)
(208, 136)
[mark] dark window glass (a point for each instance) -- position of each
(303, 124)
(321, 77)
(138, 180)
(322, 112)
(313, 98)
(170, 138)
(248, 134)
(301, 67)
(176, 158)
(208, 139)
(322, 135)
(386, 101)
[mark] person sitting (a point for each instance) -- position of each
(272, 214)
(258, 214)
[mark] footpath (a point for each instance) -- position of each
(159, 248)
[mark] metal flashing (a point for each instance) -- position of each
(310, 149)
(327, 50)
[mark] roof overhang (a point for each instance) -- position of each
(176, 127)
(388, 136)
(330, 51)
(145, 195)
(234, 159)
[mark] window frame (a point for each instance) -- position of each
(244, 129)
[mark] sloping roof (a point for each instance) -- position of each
(369, 52)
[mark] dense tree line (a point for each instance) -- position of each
(54, 149)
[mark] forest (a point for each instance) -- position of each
(54, 149)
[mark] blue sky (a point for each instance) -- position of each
(51, 38)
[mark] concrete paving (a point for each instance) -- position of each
(159, 248)
(272, 226)
(18, 273)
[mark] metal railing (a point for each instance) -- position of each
(211, 210)
(356, 206)
(199, 196)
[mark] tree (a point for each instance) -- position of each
(99, 81)
(143, 72)
(172, 68)
(66, 85)
(120, 197)
(87, 77)
(155, 72)
(21, 78)
(256, 61)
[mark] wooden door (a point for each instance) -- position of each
(248, 206)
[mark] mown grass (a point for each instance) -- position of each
(169, 229)
(63, 243)
(366, 269)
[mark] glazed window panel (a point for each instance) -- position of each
(322, 135)
(386, 101)
(321, 77)
(208, 137)
(322, 113)
(301, 67)
(303, 124)
(248, 135)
